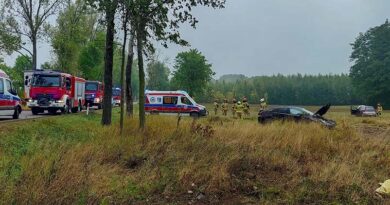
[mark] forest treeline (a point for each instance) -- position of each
(285, 90)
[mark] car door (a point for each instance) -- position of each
(185, 105)
(68, 86)
(9, 94)
(281, 113)
(170, 104)
(3, 98)
(7, 102)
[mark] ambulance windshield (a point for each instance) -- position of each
(185, 101)
(46, 81)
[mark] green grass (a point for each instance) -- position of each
(74, 160)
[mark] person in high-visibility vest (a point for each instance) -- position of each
(234, 107)
(239, 109)
(379, 109)
(246, 107)
(263, 104)
(225, 107)
(216, 107)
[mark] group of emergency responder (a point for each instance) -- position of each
(241, 109)
(238, 109)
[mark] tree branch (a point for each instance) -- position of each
(22, 47)
(28, 57)
(46, 13)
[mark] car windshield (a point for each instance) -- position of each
(116, 92)
(46, 81)
(186, 101)
(91, 86)
(300, 111)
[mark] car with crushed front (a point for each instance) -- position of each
(296, 114)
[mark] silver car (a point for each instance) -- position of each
(364, 111)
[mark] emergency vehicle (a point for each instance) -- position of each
(116, 96)
(54, 90)
(157, 102)
(94, 93)
(9, 99)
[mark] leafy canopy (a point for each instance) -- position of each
(76, 26)
(158, 75)
(160, 20)
(371, 70)
(192, 72)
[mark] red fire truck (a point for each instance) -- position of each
(94, 91)
(54, 90)
(116, 96)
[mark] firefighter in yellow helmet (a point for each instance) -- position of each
(379, 109)
(239, 109)
(234, 107)
(225, 107)
(263, 104)
(216, 107)
(246, 106)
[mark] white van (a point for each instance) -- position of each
(172, 102)
(9, 99)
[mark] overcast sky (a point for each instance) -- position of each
(265, 37)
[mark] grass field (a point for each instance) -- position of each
(214, 160)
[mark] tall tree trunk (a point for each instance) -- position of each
(123, 75)
(129, 66)
(34, 56)
(141, 78)
(108, 64)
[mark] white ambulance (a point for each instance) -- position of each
(9, 99)
(172, 102)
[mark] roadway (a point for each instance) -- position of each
(26, 115)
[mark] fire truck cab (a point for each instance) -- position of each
(9, 99)
(177, 102)
(54, 90)
(116, 96)
(94, 92)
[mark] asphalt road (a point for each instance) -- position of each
(26, 114)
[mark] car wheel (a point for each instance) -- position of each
(154, 113)
(16, 113)
(74, 109)
(265, 120)
(194, 114)
(35, 111)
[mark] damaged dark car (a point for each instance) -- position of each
(296, 114)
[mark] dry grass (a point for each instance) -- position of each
(216, 160)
